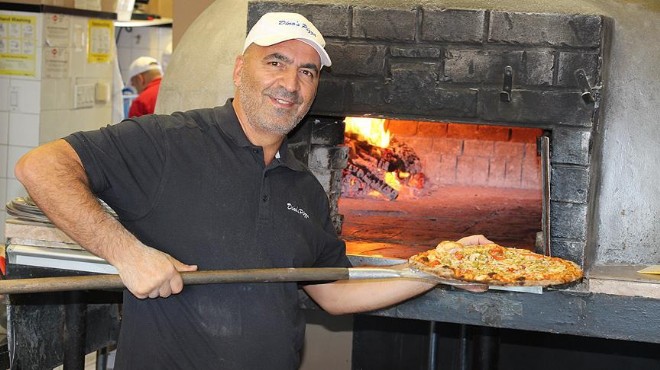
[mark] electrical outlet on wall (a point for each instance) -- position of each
(102, 94)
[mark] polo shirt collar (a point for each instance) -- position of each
(227, 121)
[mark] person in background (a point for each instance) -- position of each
(145, 74)
(212, 189)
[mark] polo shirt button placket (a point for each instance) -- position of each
(256, 154)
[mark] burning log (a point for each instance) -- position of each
(372, 168)
(397, 156)
(364, 181)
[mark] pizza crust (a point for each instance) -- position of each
(493, 264)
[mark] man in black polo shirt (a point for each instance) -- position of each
(210, 189)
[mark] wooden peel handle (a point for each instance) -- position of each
(93, 282)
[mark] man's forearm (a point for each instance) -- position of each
(57, 182)
(348, 296)
(55, 178)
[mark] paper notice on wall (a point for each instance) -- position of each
(18, 45)
(100, 41)
(57, 30)
(56, 62)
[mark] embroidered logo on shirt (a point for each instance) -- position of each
(300, 211)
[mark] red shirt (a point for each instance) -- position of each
(145, 103)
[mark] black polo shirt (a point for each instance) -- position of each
(193, 186)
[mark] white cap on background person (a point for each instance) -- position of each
(141, 65)
(273, 28)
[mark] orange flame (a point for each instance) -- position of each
(392, 180)
(371, 130)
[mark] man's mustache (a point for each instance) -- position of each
(283, 94)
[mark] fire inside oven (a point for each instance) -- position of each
(409, 185)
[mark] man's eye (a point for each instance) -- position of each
(307, 73)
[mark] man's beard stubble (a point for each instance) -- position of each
(268, 118)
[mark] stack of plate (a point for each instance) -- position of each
(25, 209)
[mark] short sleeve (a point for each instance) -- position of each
(124, 163)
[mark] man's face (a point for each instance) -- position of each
(137, 82)
(276, 85)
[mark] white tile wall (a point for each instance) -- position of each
(4, 127)
(59, 123)
(35, 110)
(23, 129)
(3, 217)
(4, 164)
(51, 125)
(25, 96)
(3, 189)
(56, 94)
(4, 93)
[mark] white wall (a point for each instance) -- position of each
(40, 108)
(628, 219)
(200, 72)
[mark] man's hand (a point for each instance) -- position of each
(150, 273)
(474, 240)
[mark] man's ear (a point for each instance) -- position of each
(238, 66)
(139, 81)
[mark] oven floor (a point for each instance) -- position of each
(403, 227)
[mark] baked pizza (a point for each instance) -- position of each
(494, 264)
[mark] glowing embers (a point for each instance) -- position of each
(379, 165)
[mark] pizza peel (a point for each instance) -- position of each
(272, 275)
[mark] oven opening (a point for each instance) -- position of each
(409, 185)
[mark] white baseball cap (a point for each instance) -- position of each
(141, 65)
(273, 28)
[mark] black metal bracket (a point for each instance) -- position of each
(583, 83)
(505, 94)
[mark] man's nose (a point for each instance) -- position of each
(289, 79)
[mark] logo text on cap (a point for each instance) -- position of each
(304, 26)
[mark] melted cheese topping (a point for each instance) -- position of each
(494, 263)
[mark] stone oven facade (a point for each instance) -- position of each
(481, 67)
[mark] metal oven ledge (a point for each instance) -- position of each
(575, 311)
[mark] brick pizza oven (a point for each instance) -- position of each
(435, 68)
(497, 69)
